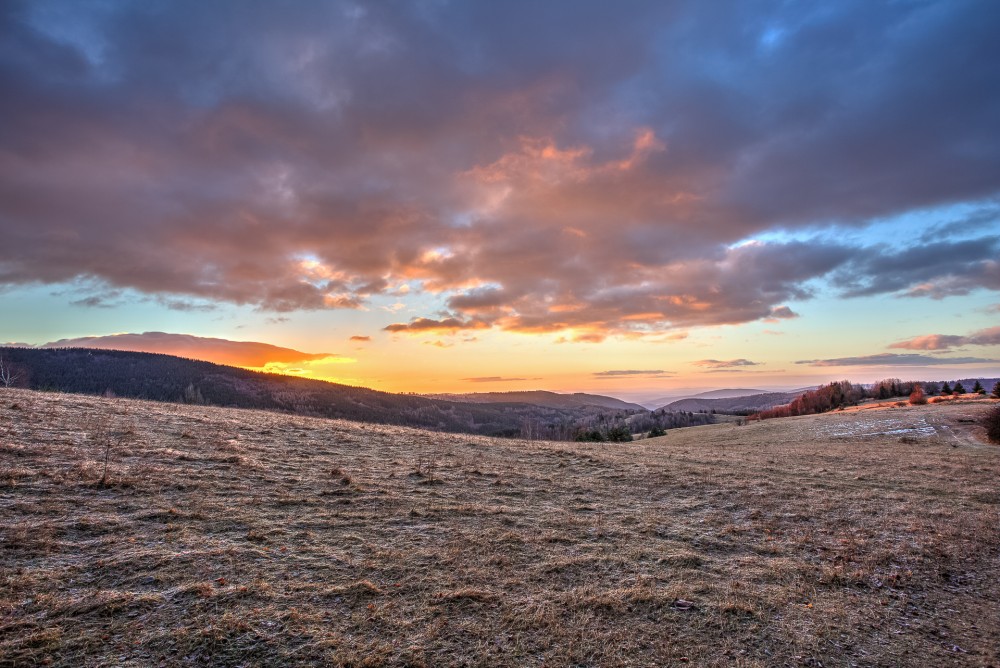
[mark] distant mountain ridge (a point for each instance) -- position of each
(734, 405)
(540, 398)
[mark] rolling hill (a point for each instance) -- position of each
(166, 378)
(541, 398)
(737, 404)
(253, 538)
(728, 393)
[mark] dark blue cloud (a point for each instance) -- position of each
(595, 165)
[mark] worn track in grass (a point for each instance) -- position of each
(244, 538)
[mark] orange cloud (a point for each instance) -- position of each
(219, 351)
(984, 337)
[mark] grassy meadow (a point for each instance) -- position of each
(144, 534)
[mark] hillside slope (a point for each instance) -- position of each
(236, 538)
(541, 398)
(741, 404)
(167, 378)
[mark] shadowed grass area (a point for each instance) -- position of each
(243, 538)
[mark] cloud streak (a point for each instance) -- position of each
(617, 373)
(897, 359)
(724, 364)
(984, 337)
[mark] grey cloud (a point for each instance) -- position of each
(935, 270)
(725, 364)
(896, 359)
(97, 301)
(585, 168)
(630, 372)
(783, 313)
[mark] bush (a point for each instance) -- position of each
(619, 434)
(917, 397)
(992, 424)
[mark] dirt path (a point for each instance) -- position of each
(959, 432)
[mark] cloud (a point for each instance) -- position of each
(781, 313)
(493, 379)
(532, 169)
(96, 301)
(220, 351)
(631, 372)
(984, 337)
(363, 339)
(896, 359)
(930, 342)
(724, 364)
(431, 325)
(186, 305)
(937, 270)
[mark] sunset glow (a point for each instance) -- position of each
(487, 196)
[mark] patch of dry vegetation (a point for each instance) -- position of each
(244, 538)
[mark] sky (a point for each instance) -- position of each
(626, 198)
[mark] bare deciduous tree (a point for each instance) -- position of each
(7, 374)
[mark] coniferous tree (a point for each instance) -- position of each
(996, 390)
(978, 388)
(958, 388)
(946, 388)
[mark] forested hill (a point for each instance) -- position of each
(734, 405)
(166, 378)
(541, 398)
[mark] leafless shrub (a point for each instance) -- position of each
(992, 424)
(8, 376)
(112, 436)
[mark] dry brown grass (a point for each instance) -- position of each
(225, 537)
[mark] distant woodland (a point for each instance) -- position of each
(842, 394)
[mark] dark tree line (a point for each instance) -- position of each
(843, 393)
